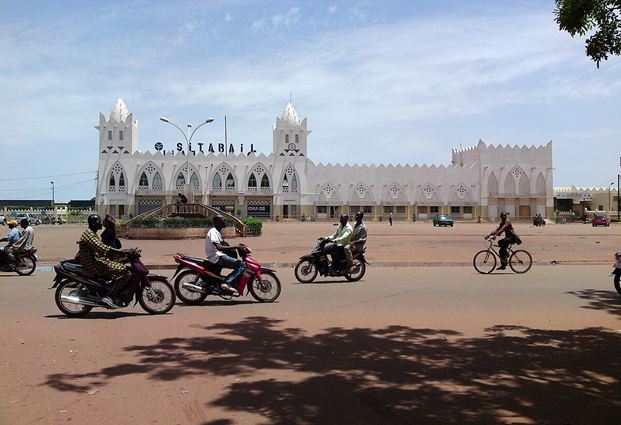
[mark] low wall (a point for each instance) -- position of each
(187, 233)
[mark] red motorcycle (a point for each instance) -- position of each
(24, 263)
(200, 278)
(77, 291)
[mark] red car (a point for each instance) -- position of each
(600, 221)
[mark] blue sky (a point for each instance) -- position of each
(380, 82)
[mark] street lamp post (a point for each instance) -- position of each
(188, 137)
(609, 203)
(53, 206)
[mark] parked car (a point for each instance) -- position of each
(31, 218)
(600, 221)
(443, 220)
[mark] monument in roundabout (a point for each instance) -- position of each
(182, 219)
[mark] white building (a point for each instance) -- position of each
(480, 181)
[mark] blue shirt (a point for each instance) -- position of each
(14, 235)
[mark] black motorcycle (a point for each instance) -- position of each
(23, 263)
(538, 221)
(318, 262)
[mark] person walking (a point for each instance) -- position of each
(390, 218)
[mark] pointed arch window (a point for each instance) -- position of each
(121, 180)
(294, 183)
(285, 184)
(252, 181)
(217, 181)
(194, 181)
(112, 181)
(180, 180)
(144, 181)
(265, 182)
(157, 181)
(230, 181)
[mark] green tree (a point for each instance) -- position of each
(600, 19)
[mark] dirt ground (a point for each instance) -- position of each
(405, 345)
(401, 244)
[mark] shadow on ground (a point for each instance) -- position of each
(597, 299)
(395, 374)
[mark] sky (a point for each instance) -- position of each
(380, 82)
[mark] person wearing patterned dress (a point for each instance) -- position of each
(96, 258)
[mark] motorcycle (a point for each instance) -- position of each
(317, 262)
(24, 263)
(197, 278)
(77, 291)
(538, 221)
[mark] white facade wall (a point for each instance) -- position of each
(480, 181)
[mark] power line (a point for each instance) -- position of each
(48, 177)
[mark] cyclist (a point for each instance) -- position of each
(505, 227)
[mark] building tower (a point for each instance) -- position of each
(119, 134)
(289, 134)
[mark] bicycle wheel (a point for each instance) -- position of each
(520, 261)
(484, 261)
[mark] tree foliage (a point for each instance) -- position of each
(600, 19)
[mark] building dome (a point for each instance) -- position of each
(119, 111)
(290, 115)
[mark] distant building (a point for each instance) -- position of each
(482, 180)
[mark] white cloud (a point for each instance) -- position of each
(332, 9)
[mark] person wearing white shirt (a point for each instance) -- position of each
(214, 251)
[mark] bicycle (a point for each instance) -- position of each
(484, 261)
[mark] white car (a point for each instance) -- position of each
(31, 218)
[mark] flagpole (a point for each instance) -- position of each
(226, 148)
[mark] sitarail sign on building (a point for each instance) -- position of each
(204, 147)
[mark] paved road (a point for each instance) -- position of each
(408, 345)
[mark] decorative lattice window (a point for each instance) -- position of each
(541, 184)
(428, 191)
(328, 190)
(186, 168)
(144, 181)
(394, 190)
(517, 172)
(492, 185)
(252, 181)
(509, 184)
(157, 181)
(230, 181)
(150, 169)
(258, 170)
(361, 190)
(524, 185)
(223, 169)
(180, 179)
(116, 169)
(290, 170)
(217, 181)
(194, 181)
(461, 191)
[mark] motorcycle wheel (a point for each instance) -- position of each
(617, 286)
(70, 309)
(266, 290)
(189, 297)
(305, 271)
(159, 298)
(361, 269)
(26, 266)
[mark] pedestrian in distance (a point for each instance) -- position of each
(390, 218)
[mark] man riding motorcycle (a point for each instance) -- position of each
(342, 236)
(24, 243)
(510, 238)
(214, 247)
(358, 239)
(96, 258)
(11, 238)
